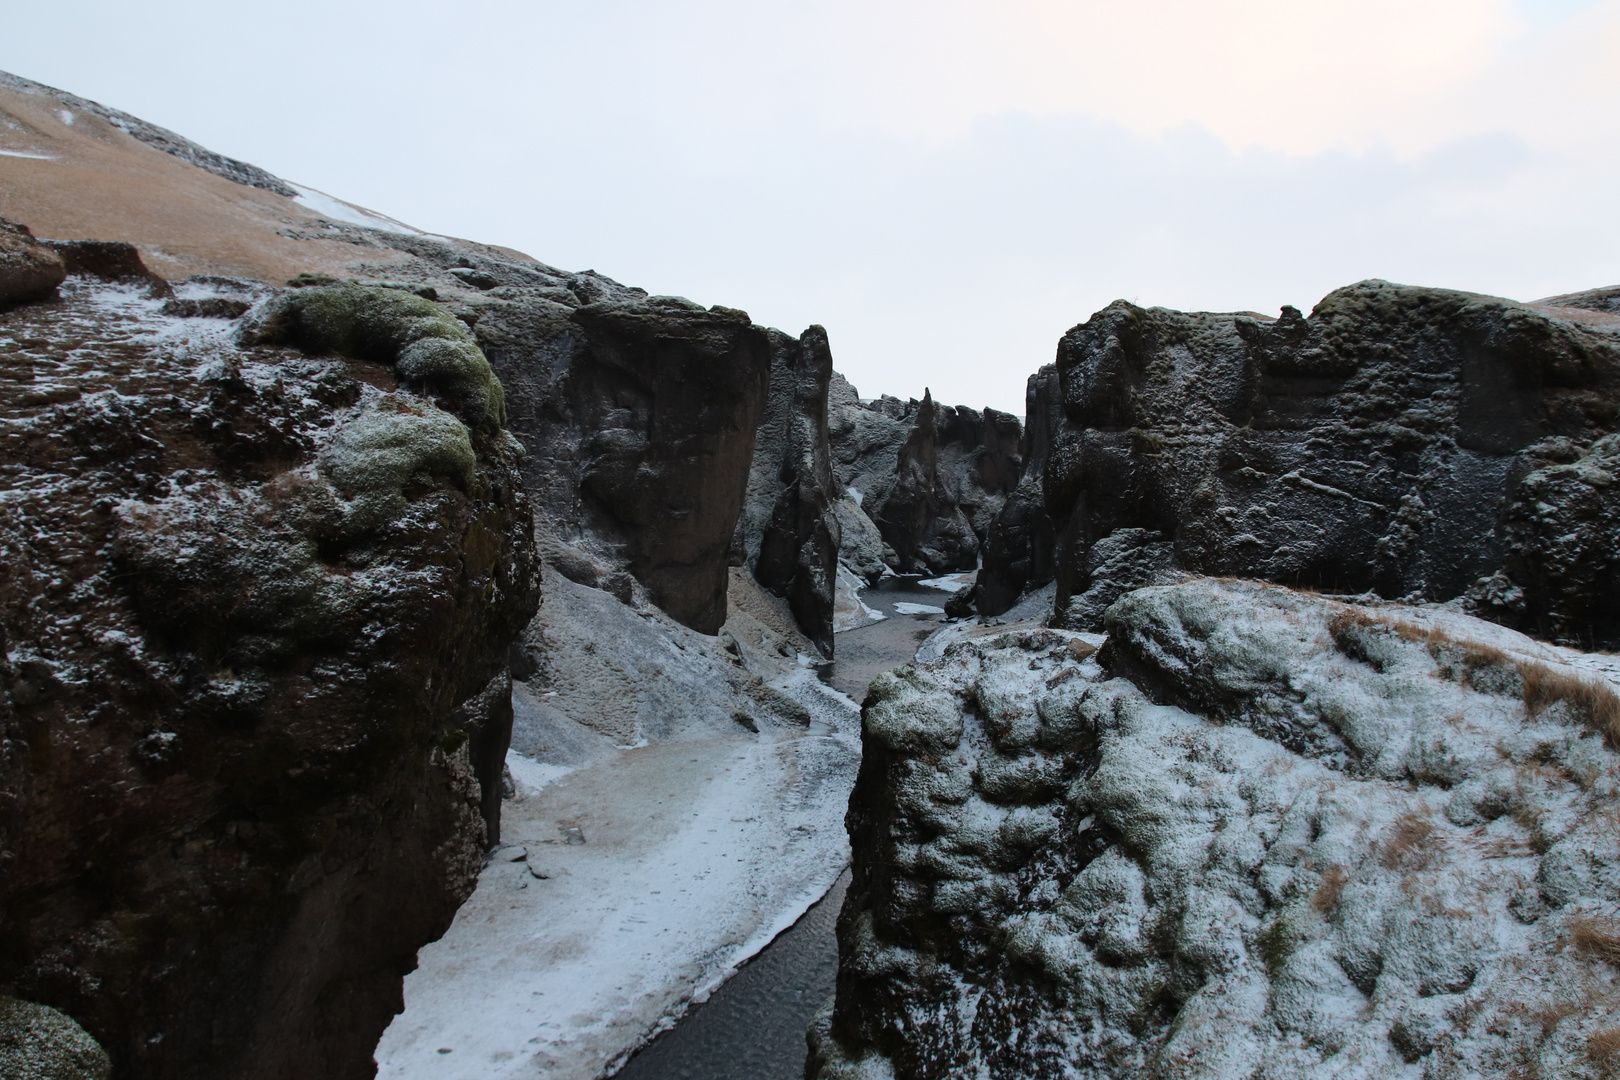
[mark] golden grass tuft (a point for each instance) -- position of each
(1597, 937)
(1327, 894)
(1412, 843)
(1604, 1046)
(1594, 702)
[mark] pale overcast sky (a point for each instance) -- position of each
(945, 185)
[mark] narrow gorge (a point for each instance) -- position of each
(424, 662)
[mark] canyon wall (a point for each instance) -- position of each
(260, 577)
(930, 479)
(1408, 442)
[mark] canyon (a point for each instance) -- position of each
(423, 661)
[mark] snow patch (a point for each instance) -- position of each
(26, 154)
(950, 582)
(906, 607)
(338, 210)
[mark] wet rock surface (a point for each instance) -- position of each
(256, 606)
(1259, 833)
(1381, 445)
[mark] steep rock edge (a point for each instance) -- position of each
(256, 608)
(1268, 834)
(1019, 543)
(928, 478)
(1401, 441)
(788, 534)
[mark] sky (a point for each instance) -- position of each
(946, 186)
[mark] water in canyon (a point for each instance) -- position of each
(752, 1027)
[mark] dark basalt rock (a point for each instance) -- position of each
(1380, 445)
(788, 534)
(29, 270)
(931, 478)
(109, 260)
(1018, 545)
(639, 417)
(256, 609)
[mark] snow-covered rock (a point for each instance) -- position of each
(1260, 833)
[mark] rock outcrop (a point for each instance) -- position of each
(1018, 544)
(639, 417)
(257, 593)
(929, 478)
(788, 533)
(38, 1043)
(1383, 445)
(1259, 833)
(29, 270)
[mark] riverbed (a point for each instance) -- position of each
(752, 1027)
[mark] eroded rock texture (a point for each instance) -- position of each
(1018, 545)
(788, 533)
(1268, 835)
(1383, 444)
(930, 478)
(639, 418)
(257, 592)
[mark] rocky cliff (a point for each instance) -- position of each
(1260, 833)
(1018, 545)
(1399, 440)
(788, 533)
(259, 581)
(924, 481)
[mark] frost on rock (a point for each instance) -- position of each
(1261, 833)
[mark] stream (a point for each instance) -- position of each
(752, 1028)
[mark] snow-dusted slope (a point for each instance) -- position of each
(654, 838)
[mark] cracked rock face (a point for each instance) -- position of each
(639, 418)
(1260, 834)
(257, 592)
(929, 478)
(1383, 444)
(788, 533)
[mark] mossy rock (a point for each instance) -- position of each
(424, 344)
(39, 1043)
(393, 440)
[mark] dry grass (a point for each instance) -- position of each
(1327, 894)
(1412, 844)
(1605, 1047)
(1592, 700)
(1594, 703)
(1596, 937)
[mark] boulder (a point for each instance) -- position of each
(109, 260)
(29, 270)
(1260, 833)
(788, 533)
(257, 597)
(1376, 446)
